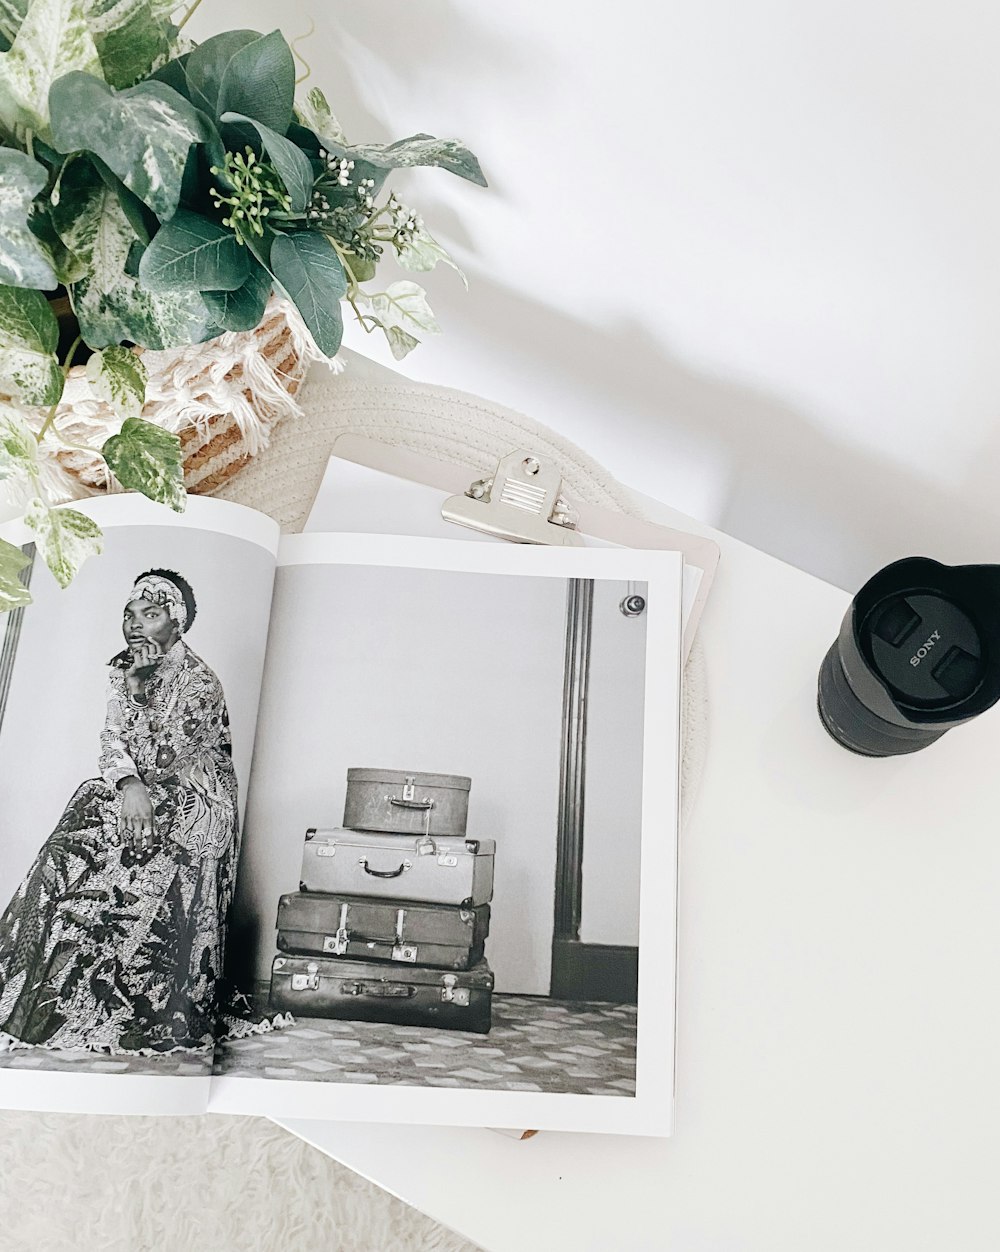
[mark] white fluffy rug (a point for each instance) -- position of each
(205, 1184)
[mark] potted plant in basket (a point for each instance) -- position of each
(162, 205)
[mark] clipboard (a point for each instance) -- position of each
(522, 502)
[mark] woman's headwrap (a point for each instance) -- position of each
(163, 592)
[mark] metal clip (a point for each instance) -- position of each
(337, 944)
(309, 981)
(523, 502)
(450, 994)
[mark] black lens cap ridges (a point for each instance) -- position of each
(918, 652)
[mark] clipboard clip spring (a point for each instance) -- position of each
(523, 502)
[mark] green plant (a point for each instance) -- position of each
(166, 189)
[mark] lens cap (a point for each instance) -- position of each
(918, 653)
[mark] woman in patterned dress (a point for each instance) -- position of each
(114, 939)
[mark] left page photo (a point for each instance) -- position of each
(128, 705)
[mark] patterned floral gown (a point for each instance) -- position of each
(103, 947)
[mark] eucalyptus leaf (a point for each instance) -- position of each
(65, 538)
(143, 134)
(309, 270)
(241, 309)
(147, 458)
(259, 81)
(447, 154)
(29, 334)
(422, 252)
(294, 167)
(404, 305)
(23, 262)
(13, 593)
(54, 39)
(193, 253)
(118, 376)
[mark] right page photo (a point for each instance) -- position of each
(457, 882)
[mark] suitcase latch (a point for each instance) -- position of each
(451, 994)
(309, 981)
(408, 789)
(405, 952)
(327, 849)
(337, 944)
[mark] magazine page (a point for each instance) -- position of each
(128, 703)
(460, 837)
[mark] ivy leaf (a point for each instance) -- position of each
(193, 253)
(23, 262)
(111, 305)
(11, 16)
(18, 445)
(147, 458)
(143, 134)
(316, 113)
(65, 538)
(29, 335)
(309, 270)
(447, 154)
(405, 306)
(118, 376)
(13, 593)
(131, 37)
(292, 164)
(422, 252)
(241, 309)
(400, 343)
(53, 40)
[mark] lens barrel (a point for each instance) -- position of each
(918, 652)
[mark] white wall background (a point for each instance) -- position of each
(445, 673)
(49, 741)
(746, 252)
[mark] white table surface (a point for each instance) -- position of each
(837, 1015)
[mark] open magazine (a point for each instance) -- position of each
(362, 827)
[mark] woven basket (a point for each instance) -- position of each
(222, 398)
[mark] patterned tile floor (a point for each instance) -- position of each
(535, 1045)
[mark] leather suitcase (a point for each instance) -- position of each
(396, 802)
(365, 991)
(398, 867)
(382, 930)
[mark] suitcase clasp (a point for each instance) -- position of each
(337, 944)
(327, 849)
(405, 952)
(450, 994)
(309, 981)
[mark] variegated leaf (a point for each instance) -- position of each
(447, 154)
(13, 593)
(54, 39)
(111, 305)
(11, 16)
(65, 538)
(18, 445)
(316, 113)
(29, 334)
(404, 305)
(143, 134)
(147, 458)
(118, 376)
(23, 262)
(422, 252)
(131, 38)
(400, 343)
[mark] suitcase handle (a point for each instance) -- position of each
(410, 804)
(380, 990)
(387, 873)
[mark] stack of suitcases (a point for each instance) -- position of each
(390, 920)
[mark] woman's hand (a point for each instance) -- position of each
(135, 821)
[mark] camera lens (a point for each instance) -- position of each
(917, 654)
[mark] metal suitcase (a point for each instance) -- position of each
(398, 867)
(382, 930)
(364, 991)
(396, 802)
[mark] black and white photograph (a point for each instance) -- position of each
(442, 864)
(127, 712)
